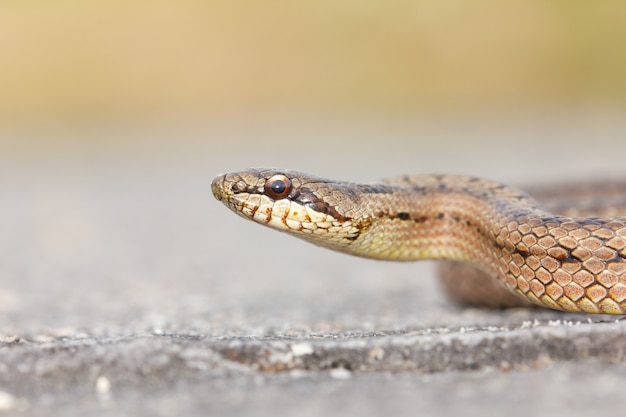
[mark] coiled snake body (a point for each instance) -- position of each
(554, 260)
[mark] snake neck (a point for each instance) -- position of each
(439, 222)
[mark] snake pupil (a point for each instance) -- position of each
(278, 187)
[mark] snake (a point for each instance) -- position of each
(525, 247)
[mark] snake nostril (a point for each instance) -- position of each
(237, 188)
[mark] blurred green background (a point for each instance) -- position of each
(81, 62)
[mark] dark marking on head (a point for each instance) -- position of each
(295, 193)
(307, 198)
(403, 216)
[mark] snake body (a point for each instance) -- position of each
(558, 261)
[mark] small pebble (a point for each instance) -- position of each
(301, 349)
(340, 373)
(103, 385)
(7, 401)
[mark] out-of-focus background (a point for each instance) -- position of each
(139, 60)
(80, 63)
(116, 115)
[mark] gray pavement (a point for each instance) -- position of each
(127, 290)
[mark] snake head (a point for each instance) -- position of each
(308, 207)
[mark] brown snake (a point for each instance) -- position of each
(547, 257)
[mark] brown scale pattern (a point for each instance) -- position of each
(569, 264)
(554, 260)
(474, 287)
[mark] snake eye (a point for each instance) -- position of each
(277, 187)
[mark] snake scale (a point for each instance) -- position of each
(546, 254)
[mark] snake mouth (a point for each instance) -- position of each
(225, 189)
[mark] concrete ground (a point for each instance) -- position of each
(127, 290)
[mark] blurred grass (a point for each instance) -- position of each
(84, 60)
